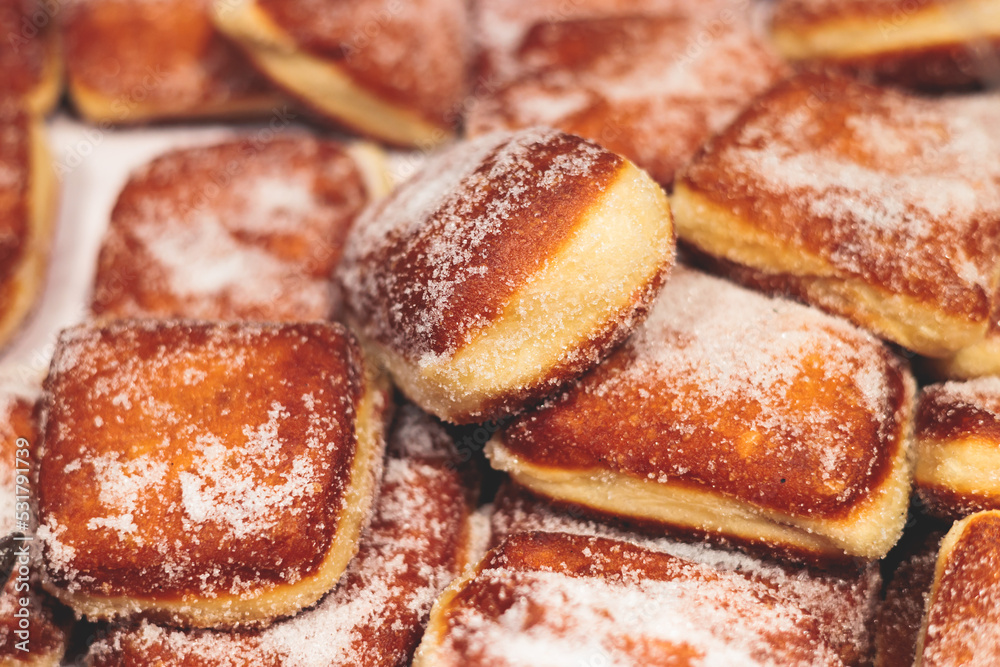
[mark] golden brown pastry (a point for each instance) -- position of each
(416, 545)
(27, 215)
(866, 202)
(555, 599)
(958, 447)
(33, 629)
(897, 628)
(508, 265)
(31, 59)
(205, 474)
(844, 600)
(247, 230)
(667, 76)
(925, 44)
(131, 62)
(736, 415)
(392, 70)
(962, 623)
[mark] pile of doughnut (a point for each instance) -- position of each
(681, 347)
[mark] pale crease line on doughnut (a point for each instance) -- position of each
(848, 37)
(284, 599)
(43, 195)
(869, 532)
(717, 231)
(458, 384)
(374, 167)
(320, 83)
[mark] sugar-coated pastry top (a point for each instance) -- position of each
(249, 229)
(15, 151)
(184, 457)
(432, 264)
(960, 410)
(413, 52)
(900, 191)
(962, 626)
(162, 52)
(558, 599)
(375, 616)
(842, 599)
(653, 92)
(759, 399)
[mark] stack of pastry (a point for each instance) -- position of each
(249, 453)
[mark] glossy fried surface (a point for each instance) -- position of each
(156, 59)
(249, 229)
(413, 548)
(667, 77)
(558, 599)
(191, 459)
(962, 625)
(413, 54)
(756, 399)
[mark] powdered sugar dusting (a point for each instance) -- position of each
(375, 615)
(861, 171)
(253, 241)
(981, 393)
(196, 456)
(843, 602)
(444, 225)
(669, 77)
(652, 607)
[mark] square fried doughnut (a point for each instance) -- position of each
(556, 599)
(867, 202)
(27, 215)
(131, 62)
(395, 71)
(924, 44)
(244, 230)
(735, 415)
(47, 631)
(506, 266)
(417, 543)
(843, 599)
(961, 625)
(205, 474)
(958, 447)
(31, 60)
(667, 76)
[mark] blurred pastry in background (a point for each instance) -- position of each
(245, 230)
(394, 71)
(28, 196)
(667, 76)
(134, 62)
(931, 45)
(31, 62)
(867, 202)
